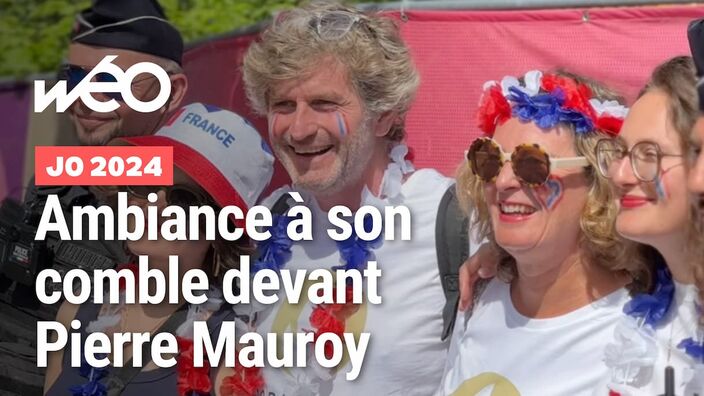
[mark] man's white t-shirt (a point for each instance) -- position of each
(679, 323)
(498, 351)
(405, 355)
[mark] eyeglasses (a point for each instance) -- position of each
(334, 25)
(178, 194)
(530, 163)
(74, 74)
(645, 157)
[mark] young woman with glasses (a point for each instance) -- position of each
(542, 325)
(648, 165)
(206, 172)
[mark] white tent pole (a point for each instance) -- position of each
(509, 4)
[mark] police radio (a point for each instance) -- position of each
(21, 257)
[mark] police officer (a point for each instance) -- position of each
(136, 31)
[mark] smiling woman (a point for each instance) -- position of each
(564, 276)
(648, 165)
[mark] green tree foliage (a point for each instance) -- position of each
(201, 18)
(34, 33)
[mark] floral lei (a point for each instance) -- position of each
(632, 356)
(325, 318)
(547, 100)
(191, 380)
(275, 253)
(634, 349)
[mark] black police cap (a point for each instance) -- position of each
(137, 25)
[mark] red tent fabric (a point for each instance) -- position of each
(457, 51)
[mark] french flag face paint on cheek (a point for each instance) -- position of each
(341, 125)
(659, 183)
(660, 188)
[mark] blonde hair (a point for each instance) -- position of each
(378, 62)
(598, 242)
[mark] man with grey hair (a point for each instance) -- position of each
(335, 85)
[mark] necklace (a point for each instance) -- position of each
(633, 354)
(635, 346)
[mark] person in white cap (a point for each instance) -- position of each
(220, 160)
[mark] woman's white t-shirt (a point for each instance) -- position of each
(498, 351)
(679, 323)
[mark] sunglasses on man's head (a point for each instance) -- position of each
(530, 163)
(334, 25)
(178, 194)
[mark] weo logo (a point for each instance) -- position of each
(123, 85)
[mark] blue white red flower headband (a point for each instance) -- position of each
(547, 100)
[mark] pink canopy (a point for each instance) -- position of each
(457, 51)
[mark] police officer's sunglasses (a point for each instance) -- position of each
(74, 74)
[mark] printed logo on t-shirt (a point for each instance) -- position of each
(288, 317)
(487, 384)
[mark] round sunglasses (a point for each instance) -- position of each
(531, 164)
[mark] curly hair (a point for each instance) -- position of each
(598, 242)
(378, 62)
